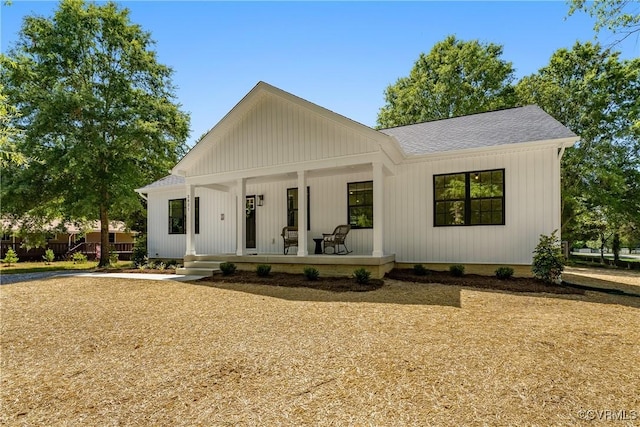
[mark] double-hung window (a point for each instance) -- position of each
(360, 204)
(292, 208)
(469, 198)
(178, 216)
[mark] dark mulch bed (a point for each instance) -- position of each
(515, 284)
(333, 284)
(343, 284)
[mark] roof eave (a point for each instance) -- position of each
(518, 146)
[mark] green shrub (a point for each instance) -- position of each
(139, 253)
(79, 258)
(311, 273)
(420, 270)
(504, 273)
(548, 261)
(362, 275)
(113, 259)
(263, 270)
(227, 268)
(10, 257)
(161, 266)
(456, 270)
(49, 256)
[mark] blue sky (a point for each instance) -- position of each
(340, 55)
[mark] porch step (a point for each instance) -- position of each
(199, 268)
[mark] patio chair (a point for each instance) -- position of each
(337, 239)
(290, 238)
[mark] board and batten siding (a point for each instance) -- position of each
(276, 132)
(531, 193)
(216, 235)
(328, 209)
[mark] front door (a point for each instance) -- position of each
(250, 210)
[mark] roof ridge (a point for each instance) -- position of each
(461, 116)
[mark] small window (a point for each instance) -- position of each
(469, 198)
(178, 216)
(360, 197)
(112, 237)
(292, 208)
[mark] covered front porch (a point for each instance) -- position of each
(250, 209)
(328, 265)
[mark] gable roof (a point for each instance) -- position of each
(262, 89)
(510, 126)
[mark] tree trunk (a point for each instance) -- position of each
(615, 246)
(104, 237)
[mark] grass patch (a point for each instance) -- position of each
(168, 353)
(40, 266)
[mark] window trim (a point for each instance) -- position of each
(349, 206)
(308, 207)
(467, 198)
(184, 215)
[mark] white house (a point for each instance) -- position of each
(477, 189)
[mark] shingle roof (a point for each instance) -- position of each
(514, 125)
(167, 181)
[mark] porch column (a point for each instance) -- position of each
(241, 217)
(378, 210)
(191, 220)
(302, 214)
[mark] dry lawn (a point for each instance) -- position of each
(79, 351)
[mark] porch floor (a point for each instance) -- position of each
(328, 265)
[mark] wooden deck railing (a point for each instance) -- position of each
(62, 250)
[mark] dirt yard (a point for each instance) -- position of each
(98, 351)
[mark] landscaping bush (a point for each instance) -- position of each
(420, 270)
(79, 258)
(49, 256)
(456, 270)
(113, 259)
(10, 257)
(263, 270)
(162, 266)
(139, 253)
(548, 261)
(311, 273)
(362, 275)
(227, 268)
(504, 273)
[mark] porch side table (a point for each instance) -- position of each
(318, 241)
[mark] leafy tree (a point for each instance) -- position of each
(619, 16)
(594, 93)
(455, 78)
(97, 110)
(8, 133)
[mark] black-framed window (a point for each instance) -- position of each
(292, 208)
(469, 198)
(112, 237)
(360, 202)
(178, 216)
